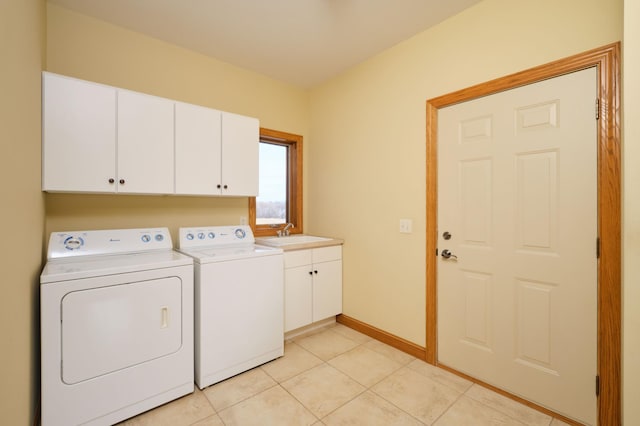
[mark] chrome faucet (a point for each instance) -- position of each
(284, 232)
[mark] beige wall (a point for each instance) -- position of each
(631, 213)
(367, 161)
(364, 166)
(83, 47)
(22, 28)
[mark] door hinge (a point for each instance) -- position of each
(598, 109)
(597, 385)
(598, 248)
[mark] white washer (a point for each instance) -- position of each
(116, 325)
(239, 301)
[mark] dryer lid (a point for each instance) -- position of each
(74, 268)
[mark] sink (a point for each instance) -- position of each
(292, 239)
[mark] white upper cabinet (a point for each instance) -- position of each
(98, 138)
(240, 148)
(145, 144)
(216, 152)
(79, 135)
(198, 146)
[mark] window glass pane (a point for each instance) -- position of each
(271, 204)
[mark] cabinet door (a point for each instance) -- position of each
(240, 139)
(145, 144)
(197, 150)
(78, 135)
(327, 289)
(297, 297)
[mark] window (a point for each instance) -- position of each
(280, 199)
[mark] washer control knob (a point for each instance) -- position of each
(201, 235)
(159, 237)
(240, 234)
(211, 235)
(189, 236)
(146, 238)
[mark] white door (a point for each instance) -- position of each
(145, 144)
(79, 135)
(197, 150)
(240, 146)
(517, 190)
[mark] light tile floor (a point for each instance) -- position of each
(339, 376)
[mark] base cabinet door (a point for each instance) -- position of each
(297, 297)
(327, 289)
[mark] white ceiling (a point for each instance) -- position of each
(301, 42)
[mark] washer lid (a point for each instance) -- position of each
(74, 268)
(217, 254)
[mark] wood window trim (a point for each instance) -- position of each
(294, 184)
(607, 61)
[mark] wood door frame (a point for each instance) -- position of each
(606, 59)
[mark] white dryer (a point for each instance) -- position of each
(116, 325)
(239, 301)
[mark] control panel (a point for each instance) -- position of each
(216, 236)
(112, 241)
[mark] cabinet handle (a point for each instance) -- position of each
(121, 181)
(310, 273)
(111, 180)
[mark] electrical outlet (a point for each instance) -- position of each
(406, 226)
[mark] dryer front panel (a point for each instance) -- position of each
(111, 328)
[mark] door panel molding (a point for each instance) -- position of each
(606, 59)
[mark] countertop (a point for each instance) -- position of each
(301, 246)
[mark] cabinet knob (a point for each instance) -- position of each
(225, 187)
(111, 180)
(121, 181)
(310, 273)
(315, 272)
(219, 186)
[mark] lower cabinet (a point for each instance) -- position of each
(312, 285)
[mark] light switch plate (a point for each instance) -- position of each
(406, 226)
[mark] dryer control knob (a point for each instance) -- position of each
(73, 243)
(201, 235)
(146, 238)
(189, 236)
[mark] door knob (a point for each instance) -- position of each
(447, 254)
